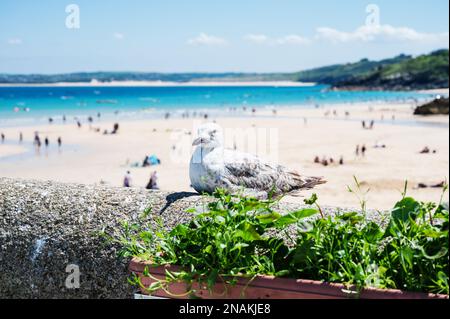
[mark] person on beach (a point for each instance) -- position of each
(36, 137)
(153, 182)
(59, 142)
(364, 124)
(115, 128)
(37, 143)
(20, 137)
(317, 160)
(379, 145)
(145, 161)
(341, 160)
(79, 124)
(46, 141)
(363, 150)
(372, 123)
(3, 138)
(64, 118)
(357, 151)
(50, 120)
(127, 179)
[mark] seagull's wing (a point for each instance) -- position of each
(250, 172)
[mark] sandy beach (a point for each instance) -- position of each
(297, 136)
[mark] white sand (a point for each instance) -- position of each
(90, 157)
(443, 91)
(9, 150)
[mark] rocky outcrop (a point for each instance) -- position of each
(437, 107)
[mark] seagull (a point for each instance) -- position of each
(213, 166)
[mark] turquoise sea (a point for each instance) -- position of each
(29, 105)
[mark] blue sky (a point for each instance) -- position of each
(213, 36)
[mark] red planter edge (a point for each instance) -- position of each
(267, 287)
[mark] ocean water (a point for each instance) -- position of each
(29, 105)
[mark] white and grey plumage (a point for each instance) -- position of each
(213, 166)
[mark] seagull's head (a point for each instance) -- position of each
(209, 135)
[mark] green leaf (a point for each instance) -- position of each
(406, 256)
(294, 217)
(282, 273)
(312, 200)
(239, 246)
(247, 232)
(372, 232)
(405, 209)
(155, 286)
(268, 218)
(352, 217)
(212, 278)
(220, 219)
(441, 253)
(208, 249)
(247, 235)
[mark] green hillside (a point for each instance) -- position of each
(403, 72)
(423, 72)
(335, 74)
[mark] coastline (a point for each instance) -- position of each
(160, 84)
(441, 91)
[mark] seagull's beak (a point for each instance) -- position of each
(197, 141)
(200, 140)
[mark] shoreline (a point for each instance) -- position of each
(96, 84)
(161, 84)
(376, 107)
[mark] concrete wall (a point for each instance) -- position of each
(46, 227)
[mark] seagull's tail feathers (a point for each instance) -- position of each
(306, 182)
(311, 182)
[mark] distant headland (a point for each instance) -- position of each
(404, 72)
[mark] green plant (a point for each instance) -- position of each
(410, 254)
(226, 240)
(235, 236)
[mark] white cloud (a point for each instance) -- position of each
(381, 32)
(361, 34)
(292, 39)
(119, 36)
(15, 41)
(205, 39)
(257, 38)
(288, 39)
